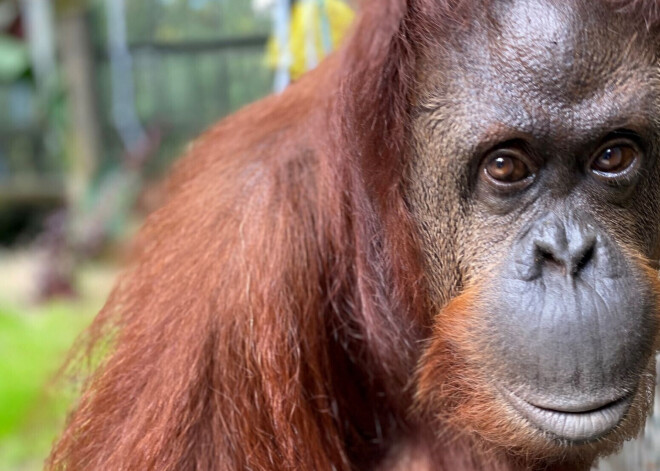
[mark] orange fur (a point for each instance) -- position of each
(272, 316)
(468, 407)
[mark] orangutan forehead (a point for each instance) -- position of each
(567, 48)
(549, 69)
(645, 12)
(542, 54)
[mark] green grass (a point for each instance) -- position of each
(33, 345)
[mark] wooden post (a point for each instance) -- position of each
(78, 64)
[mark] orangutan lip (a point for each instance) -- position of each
(575, 423)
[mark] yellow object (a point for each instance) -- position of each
(317, 27)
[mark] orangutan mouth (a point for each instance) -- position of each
(576, 423)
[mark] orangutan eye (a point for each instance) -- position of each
(507, 169)
(614, 160)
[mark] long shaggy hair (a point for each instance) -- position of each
(271, 316)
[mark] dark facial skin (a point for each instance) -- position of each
(541, 121)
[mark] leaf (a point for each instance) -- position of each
(14, 59)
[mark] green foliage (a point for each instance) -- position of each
(185, 20)
(180, 20)
(67, 6)
(181, 92)
(14, 60)
(33, 342)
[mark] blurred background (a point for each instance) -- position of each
(97, 99)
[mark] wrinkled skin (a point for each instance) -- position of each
(566, 312)
(433, 253)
